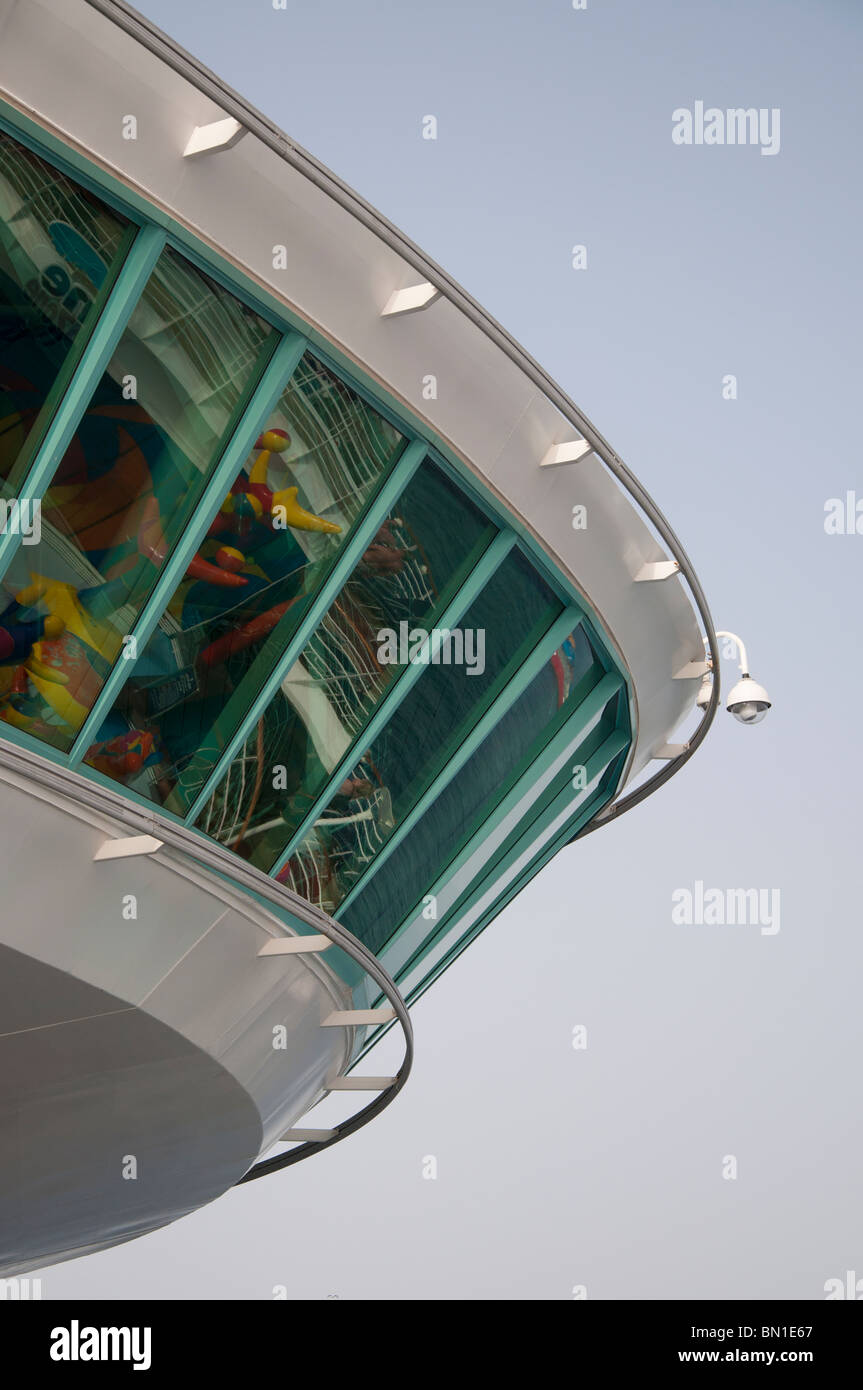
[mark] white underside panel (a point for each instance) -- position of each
(139, 1028)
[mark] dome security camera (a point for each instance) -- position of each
(748, 701)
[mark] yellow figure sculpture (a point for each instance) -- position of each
(253, 495)
(60, 672)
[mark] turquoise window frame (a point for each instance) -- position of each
(518, 804)
(363, 533)
(57, 393)
(608, 763)
(157, 230)
(604, 768)
(277, 373)
(524, 837)
(132, 205)
(487, 565)
(132, 276)
(561, 628)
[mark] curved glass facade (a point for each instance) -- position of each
(235, 609)
(129, 482)
(241, 589)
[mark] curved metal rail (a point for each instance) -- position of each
(215, 857)
(54, 777)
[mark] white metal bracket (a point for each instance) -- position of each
(670, 750)
(659, 569)
(569, 452)
(217, 135)
(128, 847)
(347, 1018)
(295, 945)
(692, 670)
(408, 300)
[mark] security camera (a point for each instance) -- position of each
(748, 701)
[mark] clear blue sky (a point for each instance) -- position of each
(603, 1167)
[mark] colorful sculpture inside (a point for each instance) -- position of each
(269, 701)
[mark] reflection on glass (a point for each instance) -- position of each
(419, 558)
(320, 455)
(59, 251)
(125, 488)
(496, 866)
(428, 727)
(462, 807)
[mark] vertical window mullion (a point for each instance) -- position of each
(122, 299)
(562, 744)
(364, 532)
(545, 648)
(473, 586)
(276, 375)
(532, 841)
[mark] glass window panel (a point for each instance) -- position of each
(516, 826)
(462, 807)
(429, 966)
(321, 453)
(418, 560)
(60, 248)
(127, 485)
(414, 957)
(429, 726)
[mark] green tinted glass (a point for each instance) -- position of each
(418, 560)
(320, 455)
(464, 676)
(60, 248)
(462, 807)
(124, 490)
(508, 856)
